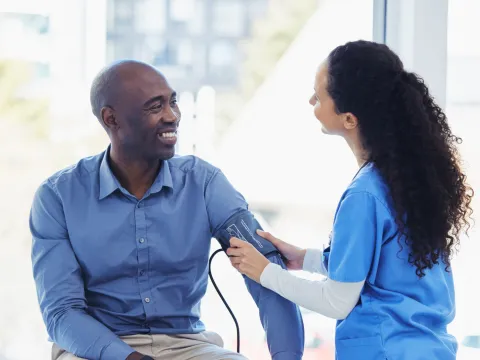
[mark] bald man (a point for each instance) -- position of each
(121, 240)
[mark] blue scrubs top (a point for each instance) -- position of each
(398, 316)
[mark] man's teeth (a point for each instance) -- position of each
(169, 135)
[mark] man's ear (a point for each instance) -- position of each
(350, 121)
(109, 118)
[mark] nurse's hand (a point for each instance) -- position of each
(293, 255)
(246, 259)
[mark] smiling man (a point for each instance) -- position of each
(121, 240)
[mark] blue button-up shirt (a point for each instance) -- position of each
(107, 264)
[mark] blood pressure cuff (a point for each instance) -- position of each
(244, 226)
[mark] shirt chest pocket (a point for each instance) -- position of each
(176, 241)
(170, 256)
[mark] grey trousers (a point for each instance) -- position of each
(206, 345)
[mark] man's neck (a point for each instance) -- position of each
(135, 175)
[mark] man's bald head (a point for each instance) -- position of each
(109, 85)
(137, 107)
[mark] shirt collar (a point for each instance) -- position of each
(109, 183)
(164, 178)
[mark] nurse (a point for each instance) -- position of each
(388, 277)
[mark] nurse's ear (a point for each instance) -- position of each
(350, 121)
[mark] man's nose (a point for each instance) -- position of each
(171, 115)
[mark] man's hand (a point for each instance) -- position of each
(293, 255)
(246, 259)
(136, 356)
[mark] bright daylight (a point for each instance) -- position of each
(139, 137)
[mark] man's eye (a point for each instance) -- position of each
(173, 102)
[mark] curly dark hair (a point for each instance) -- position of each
(408, 139)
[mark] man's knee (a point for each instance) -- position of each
(205, 345)
(68, 356)
(60, 354)
(220, 354)
(233, 356)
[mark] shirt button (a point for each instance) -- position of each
(147, 300)
(141, 240)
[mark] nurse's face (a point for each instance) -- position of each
(324, 107)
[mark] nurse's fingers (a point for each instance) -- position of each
(233, 251)
(235, 260)
(267, 236)
(236, 242)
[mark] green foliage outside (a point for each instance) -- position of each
(272, 36)
(33, 113)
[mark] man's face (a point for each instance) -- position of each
(147, 115)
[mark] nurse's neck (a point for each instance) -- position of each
(361, 155)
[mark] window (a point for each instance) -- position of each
(150, 16)
(463, 53)
(110, 15)
(258, 8)
(42, 70)
(472, 341)
(183, 10)
(184, 52)
(152, 49)
(122, 50)
(222, 53)
(197, 23)
(223, 63)
(462, 109)
(229, 17)
(119, 16)
(122, 9)
(31, 31)
(110, 51)
(178, 52)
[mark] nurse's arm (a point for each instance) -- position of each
(353, 245)
(328, 297)
(313, 262)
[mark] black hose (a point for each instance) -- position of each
(223, 299)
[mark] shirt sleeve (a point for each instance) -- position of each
(327, 297)
(354, 237)
(313, 262)
(60, 287)
(284, 342)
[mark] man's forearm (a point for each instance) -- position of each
(78, 333)
(281, 320)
